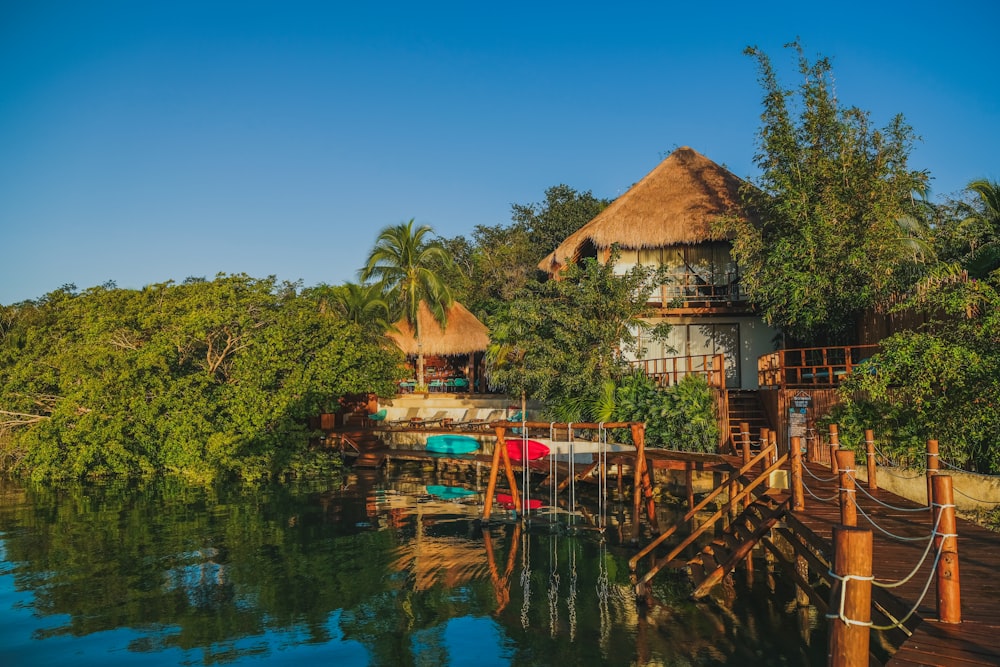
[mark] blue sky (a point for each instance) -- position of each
(142, 142)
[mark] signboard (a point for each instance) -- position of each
(796, 423)
(797, 416)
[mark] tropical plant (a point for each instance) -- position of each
(838, 221)
(206, 378)
(565, 338)
(403, 263)
(364, 305)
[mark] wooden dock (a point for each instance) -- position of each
(974, 641)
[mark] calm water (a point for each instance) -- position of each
(375, 571)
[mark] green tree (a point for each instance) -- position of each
(835, 204)
(207, 378)
(973, 234)
(563, 212)
(560, 340)
(403, 261)
(364, 305)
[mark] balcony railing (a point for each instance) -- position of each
(670, 370)
(817, 367)
(689, 288)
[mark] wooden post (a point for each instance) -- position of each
(870, 449)
(763, 437)
(491, 486)
(643, 481)
(798, 501)
(949, 599)
(932, 468)
(850, 627)
(834, 446)
(848, 510)
(772, 442)
(689, 483)
(810, 443)
(745, 432)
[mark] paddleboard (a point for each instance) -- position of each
(452, 444)
(449, 492)
(536, 450)
(506, 501)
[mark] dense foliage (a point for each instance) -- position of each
(560, 340)
(205, 378)
(681, 417)
(499, 260)
(939, 382)
(839, 226)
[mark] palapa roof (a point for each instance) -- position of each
(674, 204)
(463, 333)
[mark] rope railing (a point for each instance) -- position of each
(899, 538)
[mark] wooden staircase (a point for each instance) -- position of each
(721, 556)
(747, 487)
(744, 406)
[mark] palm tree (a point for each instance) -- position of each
(984, 257)
(403, 263)
(364, 305)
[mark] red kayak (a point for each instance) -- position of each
(506, 501)
(536, 450)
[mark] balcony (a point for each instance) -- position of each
(691, 290)
(670, 370)
(811, 367)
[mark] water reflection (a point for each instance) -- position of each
(375, 571)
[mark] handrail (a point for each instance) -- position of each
(669, 370)
(811, 366)
(733, 476)
(711, 520)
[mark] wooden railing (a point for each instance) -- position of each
(669, 371)
(812, 366)
(736, 478)
(686, 288)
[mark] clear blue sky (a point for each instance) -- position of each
(149, 141)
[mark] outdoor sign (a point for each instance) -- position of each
(797, 416)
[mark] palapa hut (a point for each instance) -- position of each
(451, 351)
(669, 219)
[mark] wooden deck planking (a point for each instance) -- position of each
(975, 641)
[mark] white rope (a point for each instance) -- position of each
(969, 472)
(525, 471)
(571, 596)
(602, 476)
(923, 594)
(886, 532)
(819, 479)
(978, 500)
(919, 563)
(553, 585)
(891, 507)
(525, 580)
(843, 598)
(571, 517)
(822, 500)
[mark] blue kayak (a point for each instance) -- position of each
(452, 444)
(449, 492)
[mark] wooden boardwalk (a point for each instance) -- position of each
(975, 641)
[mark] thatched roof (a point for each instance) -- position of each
(463, 333)
(674, 204)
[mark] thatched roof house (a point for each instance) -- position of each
(674, 204)
(463, 333)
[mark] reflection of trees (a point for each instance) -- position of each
(206, 570)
